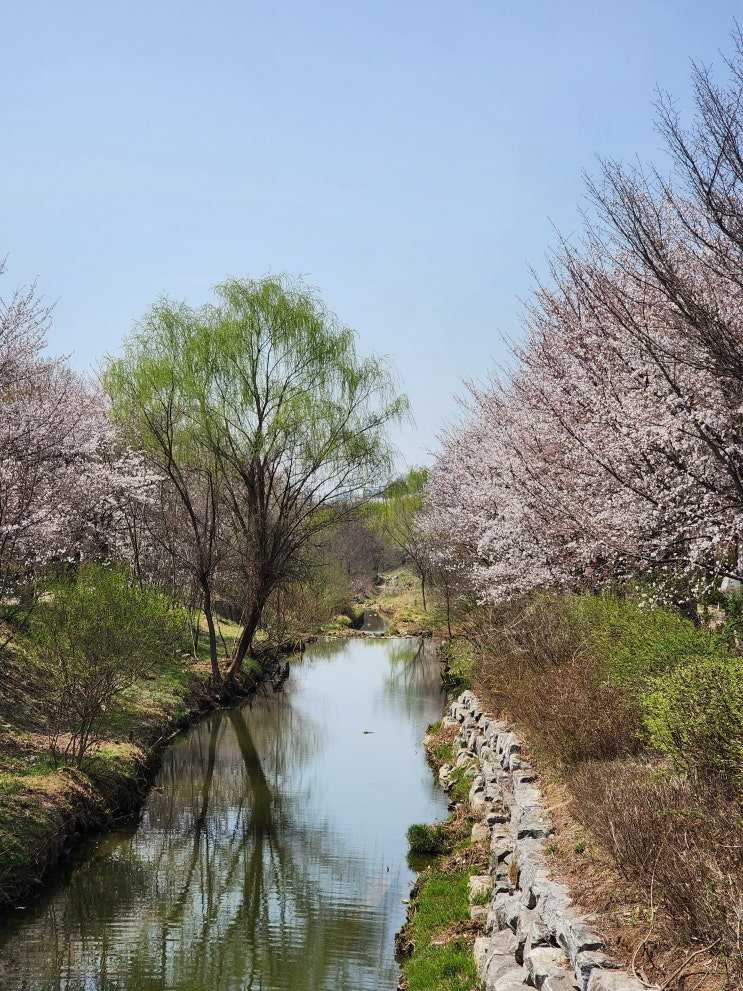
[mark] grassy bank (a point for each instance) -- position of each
(435, 945)
(47, 801)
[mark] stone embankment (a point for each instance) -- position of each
(535, 937)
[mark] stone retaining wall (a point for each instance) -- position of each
(535, 936)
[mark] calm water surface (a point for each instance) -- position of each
(271, 853)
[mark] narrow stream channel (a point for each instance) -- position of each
(271, 852)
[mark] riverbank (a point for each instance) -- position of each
(48, 805)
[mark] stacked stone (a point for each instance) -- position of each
(535, 935)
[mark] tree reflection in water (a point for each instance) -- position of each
(249, 867)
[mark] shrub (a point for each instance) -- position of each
(428, 839)
(680, 841)
(694, 715)
(97, 635)
(539, 666)
(634, 641)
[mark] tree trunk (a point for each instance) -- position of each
(245, 642)
(216, 673)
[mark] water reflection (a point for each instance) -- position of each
(271, 853)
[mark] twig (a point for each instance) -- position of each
(643, 941)
(702, 949)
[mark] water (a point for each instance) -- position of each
(271, 853)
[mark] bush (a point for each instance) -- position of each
(634, 641)
(97, 634)
(542, 667)
(681, 841)
(428, 839)
(694, 715)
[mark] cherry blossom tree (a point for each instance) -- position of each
(62, 470)
(614, 447)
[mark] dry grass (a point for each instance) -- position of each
(398, 599)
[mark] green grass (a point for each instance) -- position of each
(38, 794)
(461, 784)
(447, 965)
(442, 957)
(482, 897)
(9, 785)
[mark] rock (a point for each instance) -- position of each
(533, 876)
(529, 912)
(506, 911)
(554, 904)
(543, 962)
(498, 816)
(513, 979)
(559, 982)
(499, 956)
(478, 886)
(502, 880)
(526, 794)
(480, 832)
(530, 932)
(499, 853)
(480, 951)
(463, 757)
(578, 940)
(587, 961)
(490, 771)
(508, 744)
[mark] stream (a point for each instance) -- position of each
(271, 852)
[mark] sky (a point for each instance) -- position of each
(411, 161)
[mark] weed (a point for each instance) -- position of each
(481, 898)
(428, 839)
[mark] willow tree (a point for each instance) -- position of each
(263, 400)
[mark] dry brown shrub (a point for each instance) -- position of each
(531, 631)
(680, 840)
(536, 666)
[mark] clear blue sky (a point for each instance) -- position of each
(409, 159)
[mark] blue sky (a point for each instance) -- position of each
(411, 160)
